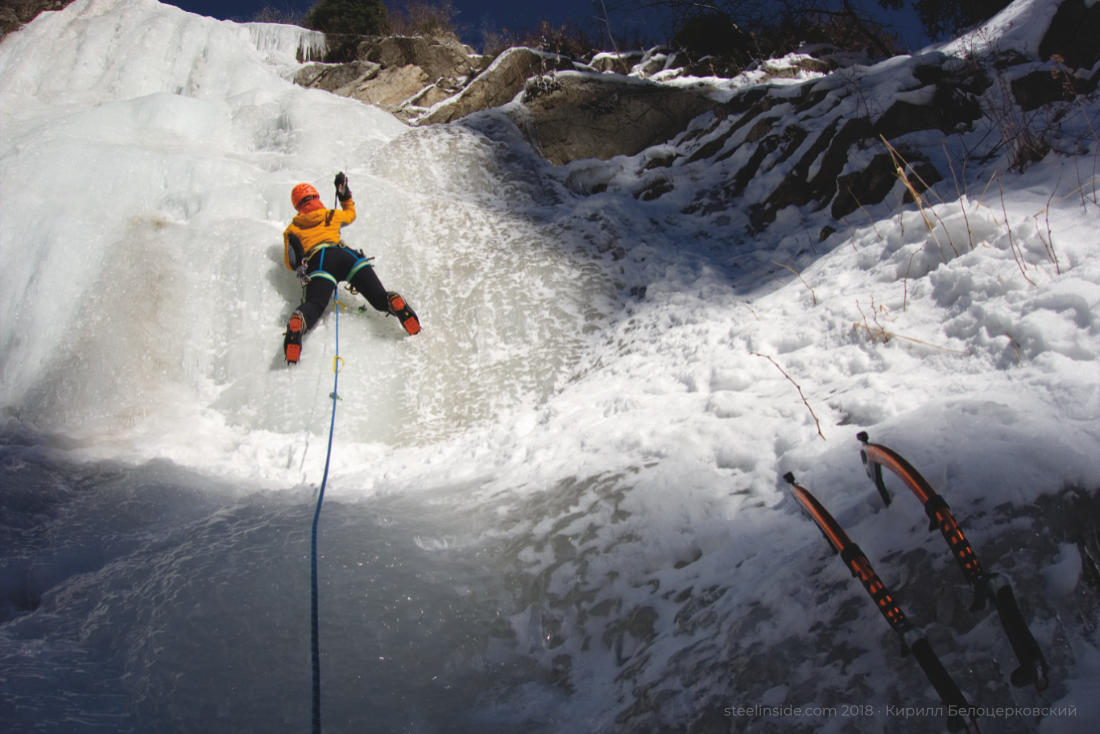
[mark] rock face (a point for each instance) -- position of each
(499, 84)
(572, 115)
(401, 74)
(568, 110)
(814, 140)
(818, 144)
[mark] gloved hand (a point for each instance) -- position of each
(343, 193)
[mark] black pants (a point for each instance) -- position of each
(337, 262)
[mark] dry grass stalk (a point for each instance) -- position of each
(878, 332)
(899, 170)
(881, 334)
(1048, 243)
(797, 387)
(960, 194)
(1016, 255)
(900, 166)
(868, 214)
(799, 276)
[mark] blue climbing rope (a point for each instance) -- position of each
(315, 646)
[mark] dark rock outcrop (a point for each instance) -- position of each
(14, 14)
(499, 84)
(820, 145)
(1073, 35)
(576, 115)
(401, 74)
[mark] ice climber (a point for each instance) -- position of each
(313, 248)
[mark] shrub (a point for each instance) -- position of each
(565, 40)
(948, 17)
(360, 17)
(283, 14)
(425, 18)
(712, 34)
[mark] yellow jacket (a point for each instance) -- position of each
(316, 228)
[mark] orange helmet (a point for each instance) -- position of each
(302, 194)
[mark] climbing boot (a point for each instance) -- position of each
(404, 314)
(292, 343)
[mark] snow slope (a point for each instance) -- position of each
(559, 507)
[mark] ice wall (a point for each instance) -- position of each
(144, 198)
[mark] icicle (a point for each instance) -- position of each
(287, 43)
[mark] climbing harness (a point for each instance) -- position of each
(1033, 666)
(304, 275)
(362, 262)
(320, 272)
